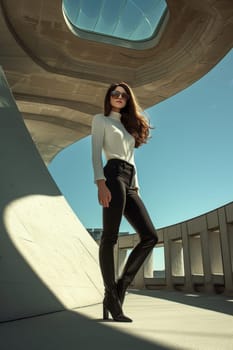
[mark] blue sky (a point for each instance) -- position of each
(185, 170)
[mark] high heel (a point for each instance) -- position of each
(112, 304)
(111, 301)
(117, 318)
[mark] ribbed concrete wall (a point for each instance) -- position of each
(48, 261)
(198, 254)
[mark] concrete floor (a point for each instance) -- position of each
(162, 320)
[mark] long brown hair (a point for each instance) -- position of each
(131, 117)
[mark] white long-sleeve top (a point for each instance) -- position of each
(110, 136)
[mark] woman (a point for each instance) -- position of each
(117, 132)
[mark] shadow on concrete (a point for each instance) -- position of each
(213, 302)
(68, 330)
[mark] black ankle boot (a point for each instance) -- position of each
(111, 301)
(112, 304)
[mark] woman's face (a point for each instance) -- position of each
(118, 98)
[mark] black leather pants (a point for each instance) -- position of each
(125, 201)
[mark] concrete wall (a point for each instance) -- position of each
(48, 261)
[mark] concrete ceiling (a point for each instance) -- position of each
(59, 80)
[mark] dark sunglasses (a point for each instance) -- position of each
(117, 94)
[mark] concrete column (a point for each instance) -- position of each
(226, 233)
(215, 253)
(195, 255)
(206, 261)
(168, 261)
(177, 258)
(186, 253)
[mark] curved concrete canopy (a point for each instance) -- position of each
(59, 80)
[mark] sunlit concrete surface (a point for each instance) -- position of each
(162, 320)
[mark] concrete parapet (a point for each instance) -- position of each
(198, 254)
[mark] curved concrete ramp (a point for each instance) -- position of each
(48, 261)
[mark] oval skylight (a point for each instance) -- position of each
(130, 23)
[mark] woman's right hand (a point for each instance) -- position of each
(104, 195)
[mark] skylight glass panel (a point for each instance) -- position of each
(122, 22)
(107, 21)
